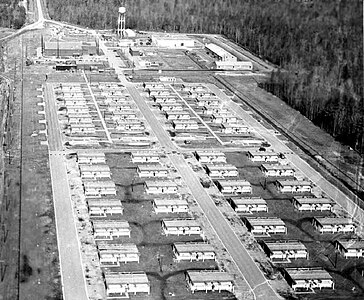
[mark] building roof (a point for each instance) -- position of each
(120, 248)
(234, 63)
(174, 112)
(333, 220)
(164, 183)
(209, 153)
(241, 182)
(90, 154)
(145, 154)
(126, 278)
(168, 202)
(99, 184)
(217, 167)
(248, 200)
(152, 167)
(217, 49)
(276, 167)
(234, 125)
(77, 46)
(104, 202)
(313, 200)
(170, 37)
(193, 247)
(209, 276)
(102, 224)
(284, 245)
(265, 221)
(351, 244)
(263, 153)
(294, 182)
(307, 273)
(180, 222)
(94, 168)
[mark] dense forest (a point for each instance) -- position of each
(318, 46)
(12, 15)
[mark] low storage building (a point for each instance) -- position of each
(108, 230)
(170, 206)
(294, 186)
(334, 225)
(263, 156)
(95, 171)
(308, 278)
(99, 188)
(221, 170)
(350, 248)
(212, 157)
(112, 255)
(285, 250)
(248, 204)
(104, 207)
(277, 170)
(160, 187)
(91, 158)
(234, 186)
(312, 203)
(120, 285)
(265, 226)
(210, 281)
(181, 227)
(193, 251)
(144, 157)
(152, 170)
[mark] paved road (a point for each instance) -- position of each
(332, 191)
(236, 249)
(73, 280)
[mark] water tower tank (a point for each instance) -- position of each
(122, 10)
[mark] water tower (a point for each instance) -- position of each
(121, 22)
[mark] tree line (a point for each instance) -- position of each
(318, 46)
(12, 15)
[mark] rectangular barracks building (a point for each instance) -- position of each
(350, 248)
(248, 204)
(221, 170)
(193, 251)
(160, 187)
(95, 171)
(277, 170)
(120, 285)
(285, 250)
(210, 281)
(170, 206)
(210, 157)
(294, 186)
(152, 170)
(312, 203)
(265, 226)
(234, 186)
(104, 207)
(99, 188)
(62, 48)
(308, 278)
(91, 158)
(112, 255)
(181, 227)
(108, 230)
(334, 225)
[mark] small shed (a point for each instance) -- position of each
(111, 255)
(160, 187)
(263, 156)
(210, 281)
(234, 186)
(285, 250)
(110, 229)
(312, 203)
(221, 170)
(91, 158)
(170, 206)
(277, 170)
(248, 204)
(99, 188)
(95, 171)
(152, 170)
(265, 226)
(210, 156)
(350, 248)
(120, 285)
(334, 225)
(294, 186)
(193, 251)
(308, 278)
(104, 207)
(181, 227)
